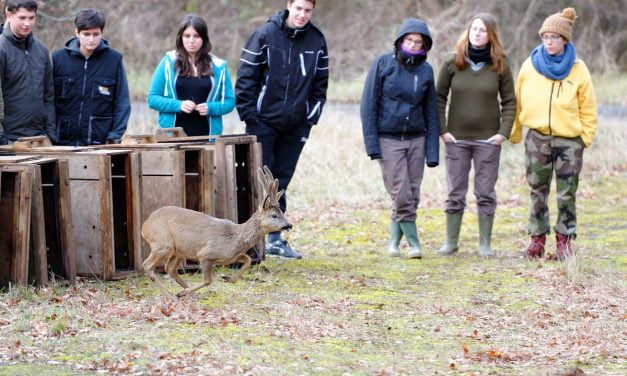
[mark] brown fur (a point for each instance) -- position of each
(176, 234)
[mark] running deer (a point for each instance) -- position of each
(176, 234)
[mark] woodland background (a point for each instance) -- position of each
(356, 30)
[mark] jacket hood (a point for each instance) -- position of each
(414, 25)
(73, 45)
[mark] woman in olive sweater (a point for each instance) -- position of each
(480, 117)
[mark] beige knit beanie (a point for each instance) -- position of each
(560, 23)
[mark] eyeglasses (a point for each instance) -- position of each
(552, 38)
(414, 42)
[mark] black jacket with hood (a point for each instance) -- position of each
(283, 75)
(27, 86)
(91, 95)
(399, 100)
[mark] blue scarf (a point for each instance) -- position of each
(555, 67)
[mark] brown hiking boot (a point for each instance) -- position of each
(536, 248)
(564, 248)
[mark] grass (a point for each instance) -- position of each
(347, 308)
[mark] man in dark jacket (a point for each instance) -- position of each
(91, 92)
(25, 75)
(281, 88)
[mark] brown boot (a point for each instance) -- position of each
(536, 248)
(564, 248)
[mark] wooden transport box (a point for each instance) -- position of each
(52, 252)
(105, 201)
(15, 211)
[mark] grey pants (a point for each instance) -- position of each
(402, 166)
(485, 159)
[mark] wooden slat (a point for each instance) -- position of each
(65, 222)
(106, 212)
(86, 207)
(134, 189)
(38, 230)
(161, 162)
(17, 158)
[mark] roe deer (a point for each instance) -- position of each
(176, 234)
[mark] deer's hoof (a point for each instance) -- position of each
(228, 278)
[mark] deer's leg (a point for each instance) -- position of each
(245, 260)
(172, 268)
(149, 266)
(205, 266)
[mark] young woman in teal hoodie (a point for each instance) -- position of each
(191, 88)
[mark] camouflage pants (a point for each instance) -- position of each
(543, 155)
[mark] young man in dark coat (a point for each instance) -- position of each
(91, 91)
(281, 88)
(25, 75)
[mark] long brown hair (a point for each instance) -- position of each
(203, 58)
(496, 50)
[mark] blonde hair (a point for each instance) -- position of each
(496, 50)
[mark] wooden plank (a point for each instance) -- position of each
(84, 167)
(65, 227)
(133, 192)
(162, 162)
(7, 182)
(87, 218)
(207, 166)
(21, 211)
(230, 188)
(17, 158)
(237, 139)
(106, 205)
(158, 191)
(38, 255)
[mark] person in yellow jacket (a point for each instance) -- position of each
(556, 101)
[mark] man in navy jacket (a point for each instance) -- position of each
(281, 88)
(91, 91)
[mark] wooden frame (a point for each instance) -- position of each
(52, 237)
(103, 182)
(16, 184)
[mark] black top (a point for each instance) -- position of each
(195, 89)
(283, 75)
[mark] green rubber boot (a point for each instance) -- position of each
(395, 239)
(486, 223)
(453, 225)
(411, 234)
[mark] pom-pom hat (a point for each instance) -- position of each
(560, 23)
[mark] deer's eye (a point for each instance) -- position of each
(274, 216)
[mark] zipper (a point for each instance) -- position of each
(407, 118)
(551, 105)
(289, 62)
(80, 111)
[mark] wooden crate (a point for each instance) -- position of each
(237, 159)
(15, 210)
(162, 180)
(52, 252)
(105, 201)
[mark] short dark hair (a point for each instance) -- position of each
(89, 19)
(311, 1)
(14, 5)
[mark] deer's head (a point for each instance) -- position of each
(272, 218)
